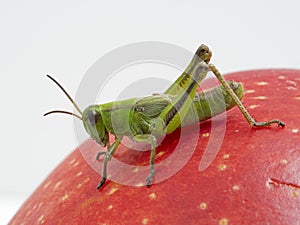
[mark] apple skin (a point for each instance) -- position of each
(255, 178)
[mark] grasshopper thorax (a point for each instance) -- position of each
(94, 126)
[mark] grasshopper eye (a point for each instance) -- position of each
(93, 117)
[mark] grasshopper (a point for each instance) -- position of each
(153, 116)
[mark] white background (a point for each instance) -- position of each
(65, 38)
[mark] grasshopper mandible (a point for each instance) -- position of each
(154, 116)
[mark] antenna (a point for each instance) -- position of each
(66, 93)
(69, 97)
(65, 112)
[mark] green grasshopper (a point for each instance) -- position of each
(152, 117)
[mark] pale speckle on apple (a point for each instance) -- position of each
(226, 156)
(294, 83)
(296, 130)
(41, 219)
(57, 184)
(297, 98)
(113, 190)
(136, 170)
(236, 187)
(222, 167)
(249, 91)
(281, 77)
(203, 206)
(160, 154)
(262, 83)
(64, 197)
(291, 88)
(223, 221)
(139, 185)
(145, 221)
(86, 180)
(79, 174)
(152, 196)
(40, 204)
(205, 134)
(47, 184)
(253, 106)
(295, 194)
(259, 97)
(34, 207)
(110, 207)
(28, 213)
(283, 161)
(81, 184)
(72, 161)
(76, 164)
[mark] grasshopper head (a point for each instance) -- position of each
(91, 117)
(94, 126)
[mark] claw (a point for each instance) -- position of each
(149, 179)
(99, 154)
(101, 183)
(148, 182)
(268, 123)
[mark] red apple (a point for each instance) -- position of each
(255, 178)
